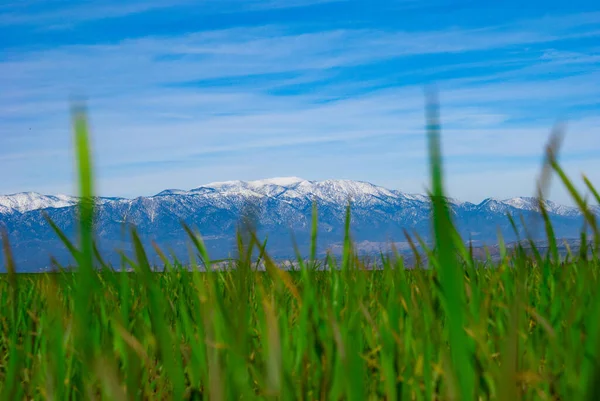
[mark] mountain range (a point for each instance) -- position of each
(279, 206)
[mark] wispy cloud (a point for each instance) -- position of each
(49, 11)
(343, 102)
(63, 14)
(280, 4)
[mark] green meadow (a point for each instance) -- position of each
(454, 327)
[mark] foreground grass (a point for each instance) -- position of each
(458, 328)
(343, 334)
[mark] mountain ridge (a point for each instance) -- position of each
(279, 206)
(43, 201)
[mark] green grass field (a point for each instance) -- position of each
(524, 328)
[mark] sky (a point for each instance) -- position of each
(182, 93)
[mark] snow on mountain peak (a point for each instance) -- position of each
(280, 181)
(26, 201)
(336, 191)
(529, 204)
(172, 192)
(525, 203)
(220, 184)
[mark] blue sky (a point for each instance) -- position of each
(183, 93)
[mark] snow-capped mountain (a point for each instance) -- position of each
(280, 206)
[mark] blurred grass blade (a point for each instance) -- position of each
(63, 238)
(552, 150)
(451, 274)
(592, 189)
(85, 320)
(582, 205)
(12, 368)
(86, 187)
